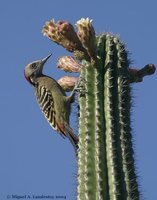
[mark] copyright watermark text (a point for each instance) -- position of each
(37, 197)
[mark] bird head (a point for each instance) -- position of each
(34, 69)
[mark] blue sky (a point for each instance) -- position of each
(34, 159)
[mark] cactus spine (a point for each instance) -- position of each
(106, 168)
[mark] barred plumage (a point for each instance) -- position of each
(46, 103)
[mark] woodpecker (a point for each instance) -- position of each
(52, 99)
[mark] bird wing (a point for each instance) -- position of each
(46, 103)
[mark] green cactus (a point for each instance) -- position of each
(105, 139)
(106, 169)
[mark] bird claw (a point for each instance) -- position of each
(80, 84)
(79, 87)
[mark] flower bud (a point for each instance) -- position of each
(68, 64)
(86, 34)
(68, 82)
(138, 75)
(63, 33)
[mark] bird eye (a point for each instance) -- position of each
(33, 66)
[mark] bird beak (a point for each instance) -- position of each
(43, 61)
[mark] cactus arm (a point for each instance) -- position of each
(124, 95)
(90, 176)
(93, 172)
(114, 157)
(81, 154)
(100, 137)
(86, 155)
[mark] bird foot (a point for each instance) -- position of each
(79, 87)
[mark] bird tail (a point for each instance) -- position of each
(72, 137)
(67, 131)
